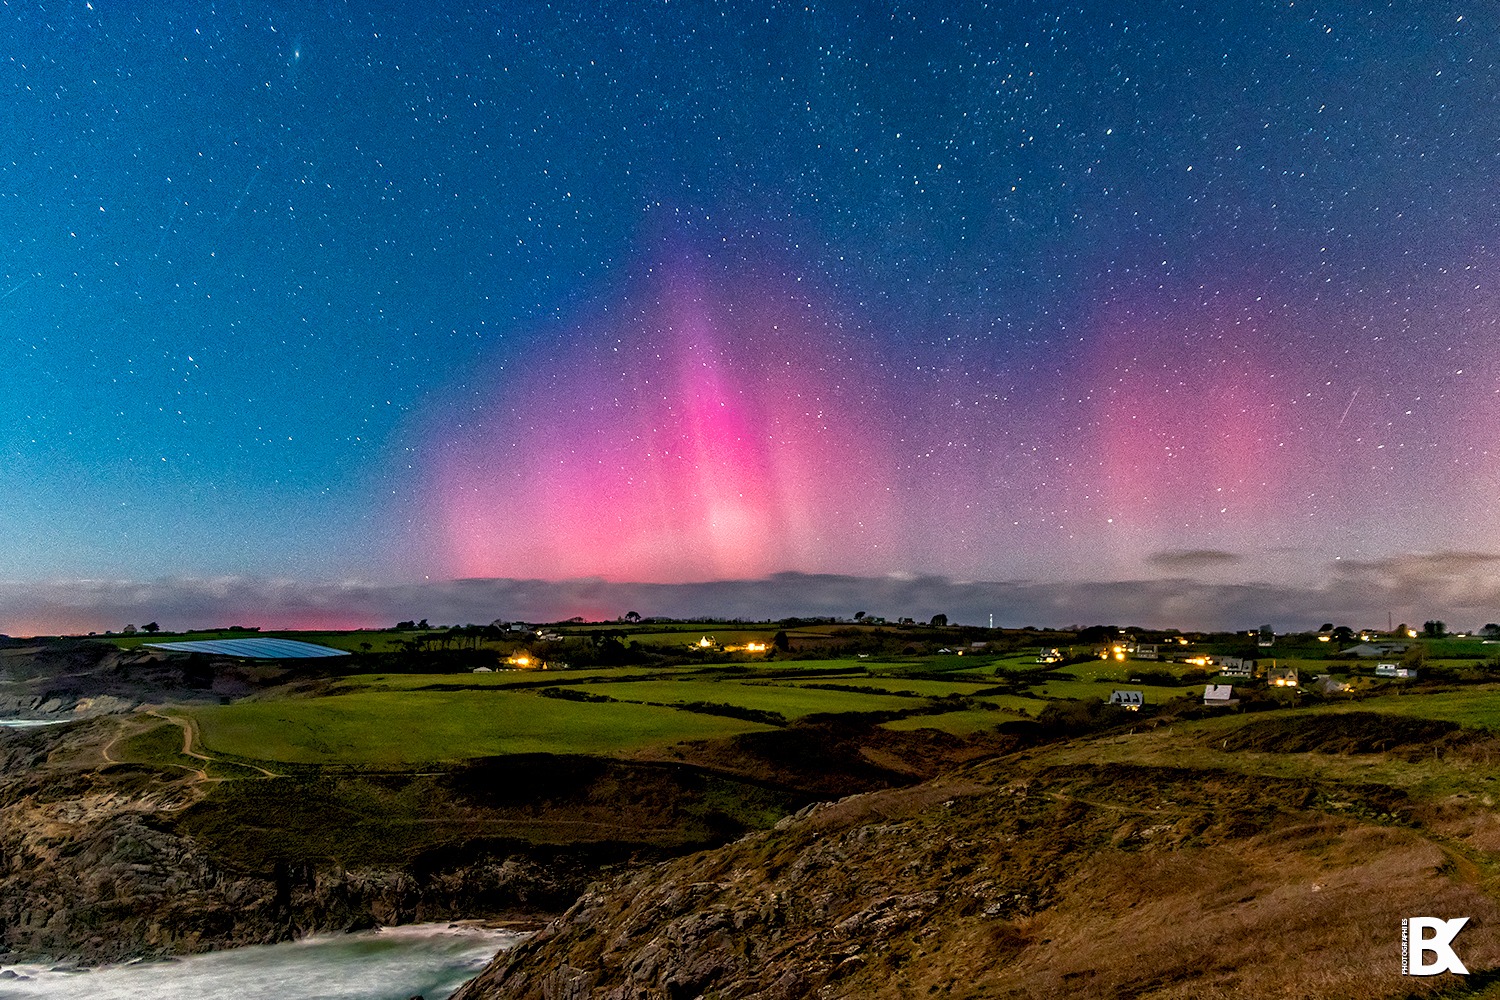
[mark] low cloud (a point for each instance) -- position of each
(1461, 588)
(1192, 560)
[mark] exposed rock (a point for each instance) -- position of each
(1024, 881)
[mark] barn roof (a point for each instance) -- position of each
(251, 649)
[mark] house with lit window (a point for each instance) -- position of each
(1283, 677)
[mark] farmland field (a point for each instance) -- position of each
(963, 723)
(390, 729)
(789, 700)
(920, 687)
(1478, 707)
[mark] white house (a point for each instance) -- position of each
(1132, 700)
(1233, 666)
(1219, 694)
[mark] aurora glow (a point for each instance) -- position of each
(311, 308)
(711, 436)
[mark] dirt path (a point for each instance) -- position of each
(190, 736)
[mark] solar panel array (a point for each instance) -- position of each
(255, 649)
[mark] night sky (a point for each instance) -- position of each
(314, 301)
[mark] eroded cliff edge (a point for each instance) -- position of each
(1264, 858)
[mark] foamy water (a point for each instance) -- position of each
(431, 960)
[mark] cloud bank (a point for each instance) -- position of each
(1461, 588)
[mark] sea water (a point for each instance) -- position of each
(396, 963)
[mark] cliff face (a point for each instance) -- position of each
(1167, 869)
(93, 869)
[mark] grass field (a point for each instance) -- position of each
(399, 729)
(919, 687)
(1100, 690)
(962, 723)
(690, 636)
(1477, 707)
(496, 679)
(789, 700)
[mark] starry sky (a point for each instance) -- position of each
(308, 303)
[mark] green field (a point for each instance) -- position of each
(788, 700)
(690, 636)
(964, 723)
(919, 687)
(396, 729)
(1477, 707)
(494, 679)
(407, 720)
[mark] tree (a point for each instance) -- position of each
(151, 627)
(1326, 627)
(858, 615)
(632, 616)
(1491, 631)
(1343, 634)
(1434, 629)
(781, 642)
(939, 621)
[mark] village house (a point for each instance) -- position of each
(1283, 677)
(1219, 694)
(1395, 670)
(1233, 666)
(1131, 700)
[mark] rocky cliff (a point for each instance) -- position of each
(1161, 864)
(93, 868)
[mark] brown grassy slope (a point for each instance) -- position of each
(1193, 874)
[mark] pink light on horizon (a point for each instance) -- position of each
(1186, 416)
(720, 432)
